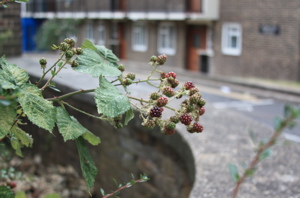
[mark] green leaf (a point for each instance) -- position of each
(20, 1)
(16, 145)
(5, 192)
(71, 129)
(90, 62)
(7, 117)
(38, 110)
(110, 101)
(54, 195)
(278, 122)
(87, 44)
(234, 173)
(265, 154)
(11, 76)
(129, 116)
(107, 54)
(102, 191)
(20, 194)
(250, 172)
(88, 168)
(21, 135)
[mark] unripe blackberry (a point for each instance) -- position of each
(170, 79)
(163, 75)
(155, 111)
(119, 125)
(168, 91)
(79, 50)
(121, 68)
(43, 63)
(64, 46)
(149, 124)
(175, 83)
(69, 54)
(194, 99)
(171, 74)
(127, 81)
(70, 41)
(197, 127)
(131, 76)
(169, 128)
(202, 102)
(193, 91)
(190, 108)
(202, 111)
(186, 119)
(154, 96)
(74, 63)
(153, 58)
(174, 119)
(162, 101)
(161, 59)
(189, 85)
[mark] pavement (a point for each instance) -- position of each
(225, 138)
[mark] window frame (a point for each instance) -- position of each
(89, 31)
(139, 39)
(229, 31)
(101, 33)
(166, 43)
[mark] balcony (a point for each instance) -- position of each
(191, 10)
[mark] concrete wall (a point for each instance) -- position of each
(263, 56)
(167, 160)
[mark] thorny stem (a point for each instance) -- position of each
(123, 187)
(256, 158)
(50, 79)
(88, 114)
(71, 94)
(44, 73)
(146, 101)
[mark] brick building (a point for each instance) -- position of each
(10, 30)
(255, 38)
(249, 38)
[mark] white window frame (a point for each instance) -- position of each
(101, 33)
(139, 39)
(166, 42)
(89, 31)
(229, 32)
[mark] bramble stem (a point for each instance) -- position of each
(83, 112)
(123, 187)
(256, 158)
(71, 94)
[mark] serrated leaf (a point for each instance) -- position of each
(265, 154)
(22, 136)
(107, 54)
(234, 173)
(11, 76)
(38, 110)
(90, 62)
(88, 168)
(7, 117)
(6, 192)
(71, 129)
(129, 116)
(87, 44)
(109, 100)
(17, 146)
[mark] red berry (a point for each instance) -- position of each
(197, 127)
(202, 110)
(175, 83)
(171, 74)
(193, 91)
(162, 101)
(156, 112)
(186, 119)
(189, 85)
(12, 184)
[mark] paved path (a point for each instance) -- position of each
(224, 140)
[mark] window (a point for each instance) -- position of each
(90, 31)
(139, 36)
(101, 34)
(232, 39)
(167, 39)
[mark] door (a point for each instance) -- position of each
(196, 41)
(117, 39)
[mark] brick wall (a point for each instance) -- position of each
(10, 24)
(263, 56)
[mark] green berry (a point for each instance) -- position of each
(149, 124)
(168, 91)
(79, 51)
(74, 63)
(154, 96)
(64, 46)
(127, 81)
(202, 102)
(131, 76)
(121, 68)
(43, 63)
(153, 58)
(69, 54)
(174, 119)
